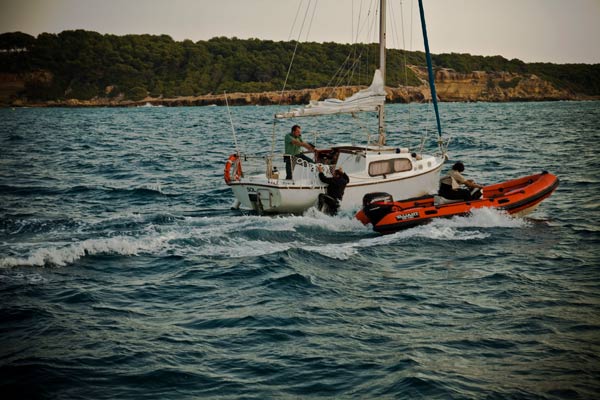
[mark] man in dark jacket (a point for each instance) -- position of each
(330, 202)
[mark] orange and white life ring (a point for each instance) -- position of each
(235, 162)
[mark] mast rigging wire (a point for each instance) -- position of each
(287, 75)
(237, 149)
(295, 47)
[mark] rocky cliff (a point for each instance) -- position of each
(494, 87)
(451, 86)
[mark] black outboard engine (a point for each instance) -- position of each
(377, 205)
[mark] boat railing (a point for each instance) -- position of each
(307, 173)
(257, 168)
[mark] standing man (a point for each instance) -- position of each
(293, 143)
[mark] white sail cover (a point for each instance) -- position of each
(365, 100)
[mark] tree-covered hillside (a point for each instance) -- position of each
(84, 65)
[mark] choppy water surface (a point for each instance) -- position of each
(124, 274)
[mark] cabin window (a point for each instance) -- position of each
(402, 164)
(380, 168)
(385, 167)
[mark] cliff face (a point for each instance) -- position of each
(12, 85)
(450, 85)
(493, 86)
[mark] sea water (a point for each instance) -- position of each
(125, 274)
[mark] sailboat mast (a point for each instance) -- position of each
(382, 7)
(430, 70)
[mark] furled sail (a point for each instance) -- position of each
(365, 100)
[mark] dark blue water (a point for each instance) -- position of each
(124, 274)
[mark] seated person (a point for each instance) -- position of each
(450, 185)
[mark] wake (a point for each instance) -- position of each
(340, 237)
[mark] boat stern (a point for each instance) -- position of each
(262, 199)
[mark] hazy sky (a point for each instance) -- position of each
(560, 31)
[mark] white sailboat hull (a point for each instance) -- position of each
(273, 198)
(280, 196)
(402, 188)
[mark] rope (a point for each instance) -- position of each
(295, 48)
(237, 149)
(429, 109)
(294, 23)
(364, 128)
(312, 17)
(405, 61)
(273, 137)
(348, 71)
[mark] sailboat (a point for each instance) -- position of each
(372, 167)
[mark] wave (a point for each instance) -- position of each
(290, 281)
(67, 254)
(439, 229)
(127, 221)
(250, 236)
(31, 278)
(142, 191)
(13, 137)
(236, 248)
(483, 218)
(148, 190)
(29, 190)
(15, 225)
(150, 105)
(344, 251)
(199, 237)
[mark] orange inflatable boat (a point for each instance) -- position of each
(518, 196)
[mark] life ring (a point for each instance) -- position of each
(235, 161)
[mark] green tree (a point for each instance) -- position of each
(85, 63)
(136, 93)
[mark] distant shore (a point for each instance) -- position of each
(477, 86)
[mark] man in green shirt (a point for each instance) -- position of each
(293, 144)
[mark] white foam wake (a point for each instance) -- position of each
(453, 229)
(228, 237)
(240, 248)
(62, 255)
(483, 218)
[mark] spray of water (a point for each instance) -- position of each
(224, 237)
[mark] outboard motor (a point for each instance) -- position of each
(377, 205)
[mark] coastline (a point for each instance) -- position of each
(477, 86)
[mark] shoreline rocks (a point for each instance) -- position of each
(451, 86)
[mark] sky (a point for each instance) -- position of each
(558, 31)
